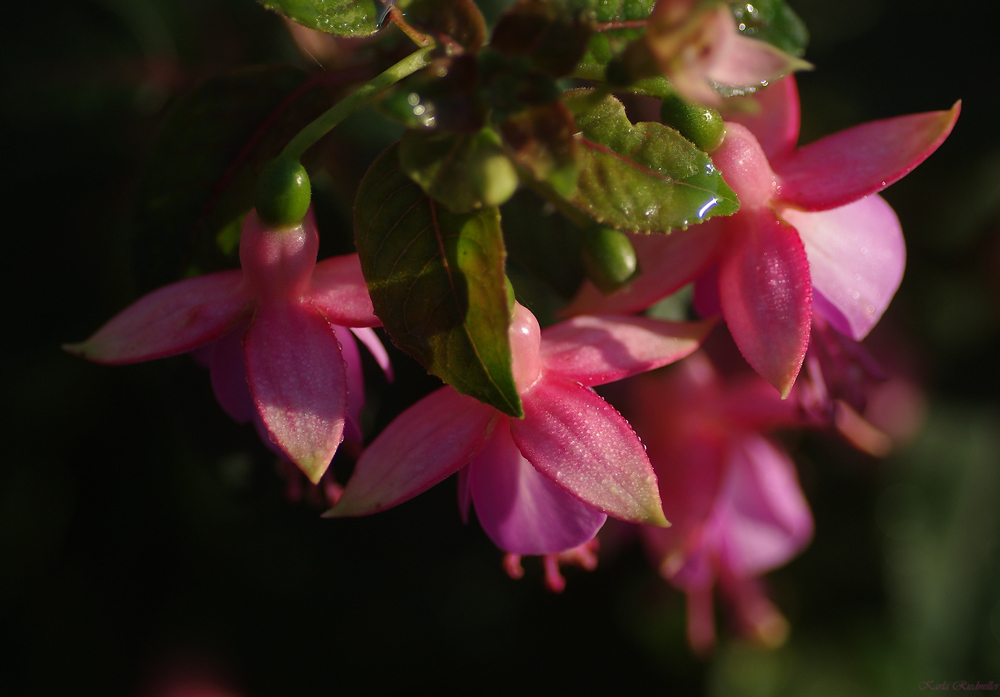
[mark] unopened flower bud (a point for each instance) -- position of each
(608, 258)
(283, 193)
(701, 125)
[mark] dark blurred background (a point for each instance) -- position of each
(143, 533)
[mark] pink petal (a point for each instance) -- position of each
(229, 378)
(171, 320)
(746, 62)
(598, 350)
(298, 381)
(764, 519)
(856, 259)
(860, 161)
(374, 345)
(521, 510)
(355, 384)
(580, 442)
(776, 123)
(766, 296)
(338, 289)
(667, 263)
(429, 441)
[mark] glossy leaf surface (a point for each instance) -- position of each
(772, 21)
(340, 17)
(437, 282)
(643, 177)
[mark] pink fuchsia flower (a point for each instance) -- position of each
(810, 234)
(272, 330)
(544, 483)
(696, 45)
(731, 494)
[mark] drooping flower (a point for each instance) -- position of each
(273, 334)
(545, 483)
(810, 234)
(696, 43)
(731, 494)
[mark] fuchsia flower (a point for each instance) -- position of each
(810, 234)
(545, 483)
(272, 327)
(697, 44)
(731, 495)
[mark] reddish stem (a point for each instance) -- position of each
(629, 24)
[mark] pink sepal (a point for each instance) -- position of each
(843, 167)
(598, 350)
(766, 297)
(667, 263)
(746, 62)
(775, 123)
(521, 510)
(171, 320)
(583, 444)
(338, 289)
(429, 441)
(856, 259)
(298, 381)
(374, 345)
(763, 520)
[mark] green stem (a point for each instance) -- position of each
(308, 136)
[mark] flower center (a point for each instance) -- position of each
(277, 264)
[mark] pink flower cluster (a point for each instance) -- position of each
(812, 250)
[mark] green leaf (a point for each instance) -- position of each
(772, 21)
(644, 177)
(437, 281)
(200, 175)
(340, 17)
(608, 43)
(464, 171)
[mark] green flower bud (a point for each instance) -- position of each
(283, 193)
(699, 124)
(496, 179)
(608, 258)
